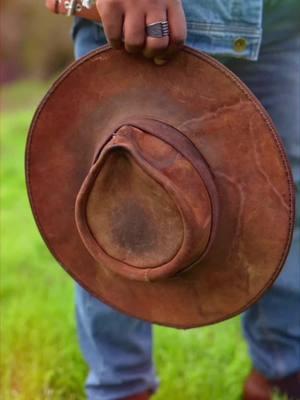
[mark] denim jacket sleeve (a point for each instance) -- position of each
(219, 27)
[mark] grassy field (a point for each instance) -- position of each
(40, 358)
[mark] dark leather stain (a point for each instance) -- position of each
(132, 229)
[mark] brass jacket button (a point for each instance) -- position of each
(240, 44)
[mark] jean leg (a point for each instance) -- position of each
(117, 348)
(87, 36)
(272, 326)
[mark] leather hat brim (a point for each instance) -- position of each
(214, 109)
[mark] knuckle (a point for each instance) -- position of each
(135, 32)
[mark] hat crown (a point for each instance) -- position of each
(148, 207)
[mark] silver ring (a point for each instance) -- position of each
(158, 29)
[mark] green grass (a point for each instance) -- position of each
(22, 94)
(40, 358)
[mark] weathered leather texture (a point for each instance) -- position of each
(165, 192)
(142, 193)
(59, 8)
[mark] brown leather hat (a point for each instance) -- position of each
(164, 191)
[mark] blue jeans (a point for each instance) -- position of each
(118, 348)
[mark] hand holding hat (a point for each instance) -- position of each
(156, 28)
(132, 20)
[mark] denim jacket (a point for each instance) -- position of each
(231, 28)
(225, 27)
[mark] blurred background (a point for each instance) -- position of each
(34, 43)
(39, 353)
